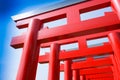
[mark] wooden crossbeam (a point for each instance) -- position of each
(92, 64)
(97, 76)
(91, 67)
(53, 15)
(77, 39)
(89, 71)
(96, 70)
(79, 53)
(67, 31)
(106, 78)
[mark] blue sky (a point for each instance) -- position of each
(10, 57)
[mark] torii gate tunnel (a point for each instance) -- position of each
(76, 30)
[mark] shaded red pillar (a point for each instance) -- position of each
(116, 6)
(115, 73)
(67, 70)
(114, 38)
(76, 74)
(115, 69)
(54, 63)
(29, 59)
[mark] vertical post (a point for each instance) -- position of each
(115, 73)
(114, 38)
(54, 63)
(82, 77)
(115, 69)
(76, 74)
(82, 43)
(73, 16)
(30, 54)
(116, 6)
(67, 70)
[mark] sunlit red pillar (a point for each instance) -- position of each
(54, 63)
(82, 77)
(114, 38)
(116, 6)
(67, 70)
(76, 74)
(28, 64)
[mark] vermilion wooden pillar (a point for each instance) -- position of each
(82, 77)
(76, 74)
(29, 59)
(67, 70)
(114, 38)
(115, 69)
(115, 73)
(116, 6)
(54, 63)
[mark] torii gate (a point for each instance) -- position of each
(36, 37)
(85, 68)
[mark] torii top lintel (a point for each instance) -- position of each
(46, 9)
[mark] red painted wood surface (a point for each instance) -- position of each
(74, 31)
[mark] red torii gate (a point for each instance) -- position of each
(37, 37)
(85, 68)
